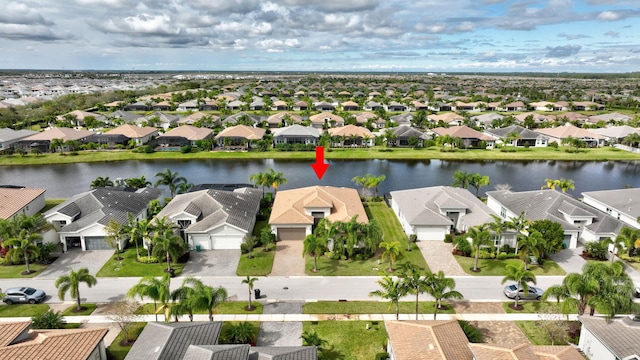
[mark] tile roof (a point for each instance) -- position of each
(189, 132)
(297, 130)
(462, 132)
(9, 331)
(242, 131)
(277, 118)
(133, 131)
(523, 132)
(620, 336)
(562, 132)
(320, 118)
(428, 340)
(60, 133)
(616, 131)
(12, 200)
(351, 130)
(289, 205)
(170, 341)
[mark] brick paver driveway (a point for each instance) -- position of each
(288, 260)
(439, 257)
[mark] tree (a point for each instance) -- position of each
(250, 283)
(549, 184)
(155, 289)
(313, 246)
(530, 246)
(23, 246)
(115, 233)
(123, 314)
(518, 224)
(565, 184)
(275, 179)
(71, 284)
(461, 179)
(100, 182)
(312, 339)
(170, 245)
(521, 276)
(260, 179)
(239, 333)
(204, 297)
(414, 283)
(628, 240)
(477, 181)
(441, 288)
(497, 226)
(391, 251)
(57, 144)
(552, 236)
(170, 179)
(479, 237)
(391, 290)
(137, 183)
(48, 320)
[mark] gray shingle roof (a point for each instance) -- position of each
(170, 341)
(620, 336)
(406, 131)
(626, 201)
(286, 352)
(217, 352)
(524, 132)
(297, 130)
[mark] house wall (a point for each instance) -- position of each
(592, 347)
(98, 353)
(625, 218)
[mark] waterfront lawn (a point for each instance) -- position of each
(262, 261)
(130, 267)
(532, 307)
(227, 307)
(23, 310)
(51, 203)
(117, 351)
(372, 307)
(88, 309)
(15, 271)
(349, 339)
(494, 267)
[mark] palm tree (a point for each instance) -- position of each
(391, 251)
(549, 184)
(170, 179)
(312, 339)
(414, 282)
(497, 226)
(101, 182)
(392, 290)
(374, 181)
(71, 283)
(441, 288)
(204, 297)
(565, 184)
(313, 246)
(530, 246)
(156, 289)
(477, 181)
(115, 233)
(143, 229)
(521, 276)
(479, 237)
(249, 281)
(260, 179)
(170, 245)
(23, 246)
(461, 179)
(181, 298)
(518, 224)
(57, 144)
(275, 179)
(575, 292)
(137, 183)
(628, 240)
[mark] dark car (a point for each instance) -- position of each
(511, 291)
(23, 295)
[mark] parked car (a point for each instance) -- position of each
(23, 295)
(511, 291)
(637, 291)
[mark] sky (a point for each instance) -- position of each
(552, 36)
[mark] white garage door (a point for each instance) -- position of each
(291, 234)
(430, 233)
(228, 242)
(96, 243)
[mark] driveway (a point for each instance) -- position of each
(280, 333)
(212, 263)
(76, 259)
(288, 260)
(439, 257)
(570, 260)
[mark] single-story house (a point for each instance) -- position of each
(300, 106)
(396, 106)
(296, 212)
(616, 134)
(282, 119)
(432, 212)
(523, 351)
(403, 119)
(350, 106)
(451, 119)
(279, 105)
(82, 219)
(428, 340)
(544, 106)
(214, 219)
(162, 106)
(615, 339)
(326, 120)
(239, 135)
(159, 119)
(241, 118)
(578, 220)
(524, 136)
(373, 106)
(351, 135)
(19, 341)
(609, 118)
(15, 200)
(141, 135)
(324, 106)
(404, 134)
(557, 134)
(207, 120)
(184, 135)
(470, 137)
(485, 120)
(10, 136)
(137, 106)
(515, 106)
(76, 117)
(190, 105)
(296, 134)
(122, 117)
(622, 204)
(42, 140)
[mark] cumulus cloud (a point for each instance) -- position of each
(608, 15)
(336, 5)
(18, 13)
(562, 51)
(271, 45)
(573, 36)
(29, 32)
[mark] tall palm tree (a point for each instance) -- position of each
(143, 230)
(156, 289)
(441, 288)
(477, 181)
(181, 302)
(250, 283)
(480, 237)
(522, 277)
(374, 182)
(530, 246)
(137, 183)
(71, 283)
(461, 179)
(518, 224)
(628, 240)
(23, 246)
(313, 246)
(57, 144)
(565, 184)
(276, 179)
(549, 184)
(168, 244)
(170, 179)
(414, 282)
(260, 179)
(391, 251)
(497, 226)
(391, 290)
(204, 297)
(101, 182)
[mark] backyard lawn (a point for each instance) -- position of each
(115, 351)
(130, 267)
(538, 335)
(349, 339)
(494, 267)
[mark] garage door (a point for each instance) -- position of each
(96, 243)
(291, 234)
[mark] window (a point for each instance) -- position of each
(183, 224)
(503, 212)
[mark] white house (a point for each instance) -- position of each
(617, 339)
(622, 204)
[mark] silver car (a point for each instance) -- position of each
(511, 291)
(23, 295)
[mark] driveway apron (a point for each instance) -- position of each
(76, 259)
(439, 257)
(280, 333)
(570, 260)
(288, 260)
(212, 263)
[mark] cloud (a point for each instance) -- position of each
(142, 24)
(271, 45)
(613, 34)
(17, 13)
(609, 15)
(562, 51)
(222, 7)
(336, 5)
(29, 32)
(573, 36)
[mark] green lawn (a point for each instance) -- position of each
(130, 267)
(370, 307)
(349, 339)
(372, 266)
(14, 271)
(262, 261)
(90, 308)
(115, 351)
(51, 203)
(229, 307)
(493, 267)
(538, 336)
(23, 310)
(533, 307)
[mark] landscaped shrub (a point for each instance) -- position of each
(506, 248)
(147, 259)
(553, 144)
(485, 254)
(462, 246)
(186, 149)
(382, 356)
(413, 238)
(143, 149)
(473, 334)
(448, 238)
(48, 320)
(505, 256)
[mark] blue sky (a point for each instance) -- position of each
(322, 35)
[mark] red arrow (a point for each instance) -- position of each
(320, 166)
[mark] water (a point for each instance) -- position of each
(65, 180)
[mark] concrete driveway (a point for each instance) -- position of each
(280, 333)
(76, 259)
(212, 263)
(570, 260)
